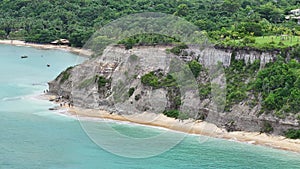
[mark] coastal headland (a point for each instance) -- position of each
(189, 126)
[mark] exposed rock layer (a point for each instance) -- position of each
(124, 68)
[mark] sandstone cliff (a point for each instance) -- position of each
(113, 82)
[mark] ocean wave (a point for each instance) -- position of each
(40, 84)
(7, 99)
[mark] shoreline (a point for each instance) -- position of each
(78, 51)
(189, 126)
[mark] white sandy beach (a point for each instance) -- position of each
(79, 51)
(192, 127)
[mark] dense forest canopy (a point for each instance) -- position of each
(46, 20)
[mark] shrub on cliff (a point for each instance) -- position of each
(150, 79)
(158, 80)
(178, 49)
(131, 91)
(292, 134)
(172, 113)
(65, 74)
(101, 81)
(195, 67)
(279, 84)
(176, 114)
(147, 40)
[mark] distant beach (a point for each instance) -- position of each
(189, 126)
(78, 51)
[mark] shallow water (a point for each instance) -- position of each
(33, 137)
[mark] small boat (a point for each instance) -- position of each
(48, 65)
(24, 56)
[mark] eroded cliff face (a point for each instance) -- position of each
(104, 83)
(211, 55)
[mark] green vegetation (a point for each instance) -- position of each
(285, 41)
(236, 76)
(65, 74)
(102, 81)
(158, 80)
(295, 53)
(146, 40)
(292, 134)
(150, 79)
(178, 49)
(176, 114)
(279, 85)
(44, 21)
(264, 42)
(276, 87)
(131, 91)
(204, 90)
(183, 116)
(172, 113)
(195, 67)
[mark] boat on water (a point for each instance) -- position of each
(24, 56)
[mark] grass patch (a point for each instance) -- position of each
(276, 40)
(65, 75)
(263, 42)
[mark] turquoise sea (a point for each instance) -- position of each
(34, 138)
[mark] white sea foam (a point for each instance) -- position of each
(12, 98)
